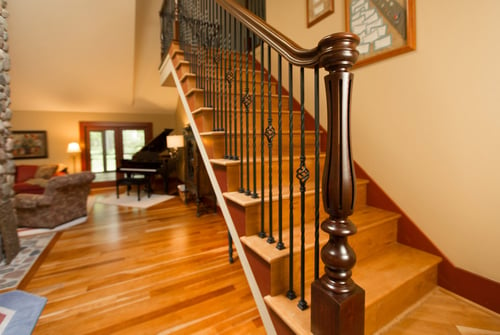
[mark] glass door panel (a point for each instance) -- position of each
(133, 140)
(110, 151)
(96, 151)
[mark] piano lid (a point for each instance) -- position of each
(151, 151)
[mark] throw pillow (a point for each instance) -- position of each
(25, 172)
(46, 171)
(38, 181)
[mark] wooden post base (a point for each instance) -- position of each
(336, 314)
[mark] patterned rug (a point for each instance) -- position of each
(31, 248)
(19, 312)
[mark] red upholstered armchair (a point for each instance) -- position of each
(64, 199)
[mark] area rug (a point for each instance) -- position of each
(131, 200)
(19, 312)
(32, 247)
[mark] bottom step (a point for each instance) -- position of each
(394, 279)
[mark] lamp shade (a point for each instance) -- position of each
(74, 147)
(175, 141)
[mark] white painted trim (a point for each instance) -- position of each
(167, 71)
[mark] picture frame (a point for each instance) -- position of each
(318, 10)
(29, 144)
(386, 28)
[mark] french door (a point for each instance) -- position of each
(106, 143)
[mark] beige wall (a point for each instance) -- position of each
(87, 56)
(426, 124)
(63, 128)
(71, 63)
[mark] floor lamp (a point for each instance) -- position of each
(73, 150)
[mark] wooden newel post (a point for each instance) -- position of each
(337, 303)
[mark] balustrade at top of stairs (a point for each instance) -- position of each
(266, 184)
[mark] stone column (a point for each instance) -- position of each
(8, 221)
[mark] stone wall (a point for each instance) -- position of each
(9, 242)
(7, 166)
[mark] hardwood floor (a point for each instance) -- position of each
(444, 313)
(165, 271)
(133, 271)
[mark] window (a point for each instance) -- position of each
(106, 143)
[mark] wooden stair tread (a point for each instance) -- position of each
(363, 219)
(222, 132)
(258, 160)
(244, 200)
(378, 275)
(298, 321)
(284, 112)
(224, 162)
(384, 271)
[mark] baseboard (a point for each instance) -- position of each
(480, 290)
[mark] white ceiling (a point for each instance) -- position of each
(86, 55)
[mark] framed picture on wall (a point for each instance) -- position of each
(29, 144)
(386, 27)
(317, 10)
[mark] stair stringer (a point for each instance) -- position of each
(167, 74)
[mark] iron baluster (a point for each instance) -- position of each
(280, 245)
(262, 232)
(302, 176)
(316, 172)
(224, 95)
(254, 135)
(270, 133)
(247, 102)
(235, 157)
(242, 188)
(290, 293)
(229, 79)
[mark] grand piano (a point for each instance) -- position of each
(150, 160)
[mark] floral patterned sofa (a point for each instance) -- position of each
(64, 199)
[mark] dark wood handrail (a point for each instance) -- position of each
(335, 50)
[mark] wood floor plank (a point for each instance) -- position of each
(160, 270)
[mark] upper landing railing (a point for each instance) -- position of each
(233, 53)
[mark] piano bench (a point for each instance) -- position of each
(133, 181)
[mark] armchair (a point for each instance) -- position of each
(64, 199)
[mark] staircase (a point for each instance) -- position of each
(393, 275)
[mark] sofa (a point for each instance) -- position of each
(34, 178)
(64, 199)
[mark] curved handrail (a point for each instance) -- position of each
(335, 51)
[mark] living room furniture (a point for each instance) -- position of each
(10, 245)
(64, 199)
(130, 180)
(198, 186)
(34, 178)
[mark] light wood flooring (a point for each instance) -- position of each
(134, 271)
(165, 271)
